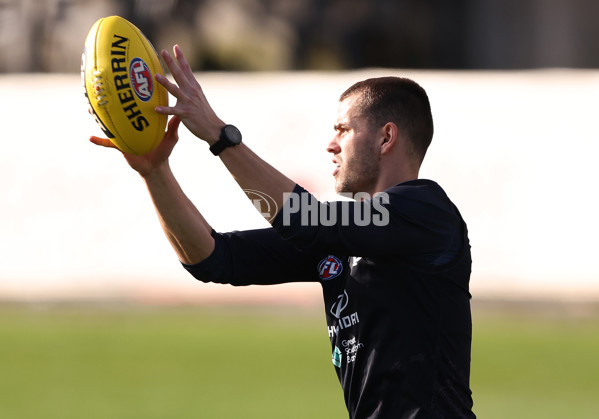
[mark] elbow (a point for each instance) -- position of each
(204, 275)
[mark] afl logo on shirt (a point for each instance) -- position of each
(329, 268)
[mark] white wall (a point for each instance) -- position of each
(516, 152)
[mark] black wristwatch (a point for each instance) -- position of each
(229, 137)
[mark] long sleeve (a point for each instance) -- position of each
(255, 257)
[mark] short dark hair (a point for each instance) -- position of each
(398, 100)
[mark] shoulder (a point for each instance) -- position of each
(417, 187)
(419, 195)
(423, 203)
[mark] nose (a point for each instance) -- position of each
(333, 146)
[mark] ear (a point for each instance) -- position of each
(389, 137)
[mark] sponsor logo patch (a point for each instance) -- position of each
(343, 321)
(339, 304)
(337, 357)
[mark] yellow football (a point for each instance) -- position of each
(117, 70)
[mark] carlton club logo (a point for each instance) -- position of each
(141, 79)
(329, 268)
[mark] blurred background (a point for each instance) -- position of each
(96, 314)
(241, 35)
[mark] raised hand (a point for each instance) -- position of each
(146, 163)
(192, 107)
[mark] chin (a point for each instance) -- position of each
(351, 185)
(341, 188)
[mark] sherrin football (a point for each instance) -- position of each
(117, 70)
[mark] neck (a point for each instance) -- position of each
(388, 178)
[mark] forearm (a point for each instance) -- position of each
(251, 172)
(184, 226)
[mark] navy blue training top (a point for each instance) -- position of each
(395, 273)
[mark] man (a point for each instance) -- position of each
(394, 265)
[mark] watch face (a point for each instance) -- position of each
(232, 134)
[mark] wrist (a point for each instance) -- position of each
(211, 130)
(156, 173)
(214, 134)
(229, 136)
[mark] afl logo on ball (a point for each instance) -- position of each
(329, 268)
(141, 79)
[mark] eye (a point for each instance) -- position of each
(340, 129)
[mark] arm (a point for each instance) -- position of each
(184, 226)
(255, 257)
(238, 258)
(248, 169)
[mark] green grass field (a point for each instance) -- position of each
(191, 362)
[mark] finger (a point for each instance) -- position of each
(184, 64)
(168, 110)
(175, 70)
(172, 132)
(104, 142)
(170, 138)
(172, 88)
(173, 124)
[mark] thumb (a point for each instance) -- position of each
(173, 124)
(172, 132)
(104, 142)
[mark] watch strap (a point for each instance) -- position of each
(219, 146)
